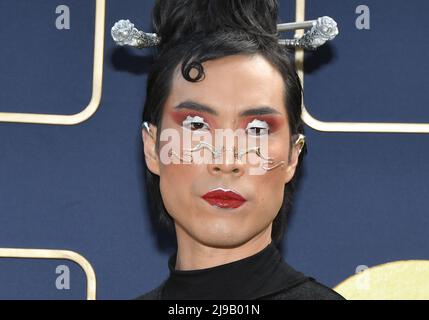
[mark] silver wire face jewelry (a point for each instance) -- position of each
(217, 152)
(238, 155)
(322, 29)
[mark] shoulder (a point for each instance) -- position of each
(307, 290)
(154, 294)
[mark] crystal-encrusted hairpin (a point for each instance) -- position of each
(321, 30)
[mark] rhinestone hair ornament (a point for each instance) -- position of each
(323, 29)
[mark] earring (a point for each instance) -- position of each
(300, 141)
(145, 125)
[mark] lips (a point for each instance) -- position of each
(224, 199)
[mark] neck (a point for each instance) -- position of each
(193, 255)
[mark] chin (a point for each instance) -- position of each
(230, 238)
(217, 242)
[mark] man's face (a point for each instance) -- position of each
(243, 94)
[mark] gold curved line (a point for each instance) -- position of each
(328, 126)
(57, 254)
(97, 83)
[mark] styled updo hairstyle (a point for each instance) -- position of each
(195, 31)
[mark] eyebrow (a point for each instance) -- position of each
(251, 111)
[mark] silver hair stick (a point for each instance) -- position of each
(322, 30)
(124, 33)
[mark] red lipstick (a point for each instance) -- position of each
(226, 199)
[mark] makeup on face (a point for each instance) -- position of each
(224, 198)
(253, 127)
(195, 123)
(256, 127)
(256, 122)
(195, 116)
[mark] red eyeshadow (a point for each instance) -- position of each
(180, 115)
(274, 122)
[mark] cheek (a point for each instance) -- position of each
(173, 177)
(269, 198)
(274, 186)
(274, 181)
(176, 187)
(278, 147)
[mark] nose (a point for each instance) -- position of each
(227, 163)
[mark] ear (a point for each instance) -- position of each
(149, 145)
(295, 152)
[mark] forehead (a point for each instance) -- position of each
(232, 84)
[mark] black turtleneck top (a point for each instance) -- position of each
(263, 275)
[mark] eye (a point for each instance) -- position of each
(257, 128)
(195, 123)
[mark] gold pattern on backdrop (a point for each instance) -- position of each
(97, 81)
(56, 255)
(398, 280)
(390, 127)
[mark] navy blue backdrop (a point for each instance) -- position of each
(363, 199)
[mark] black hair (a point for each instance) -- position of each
(195, 31)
